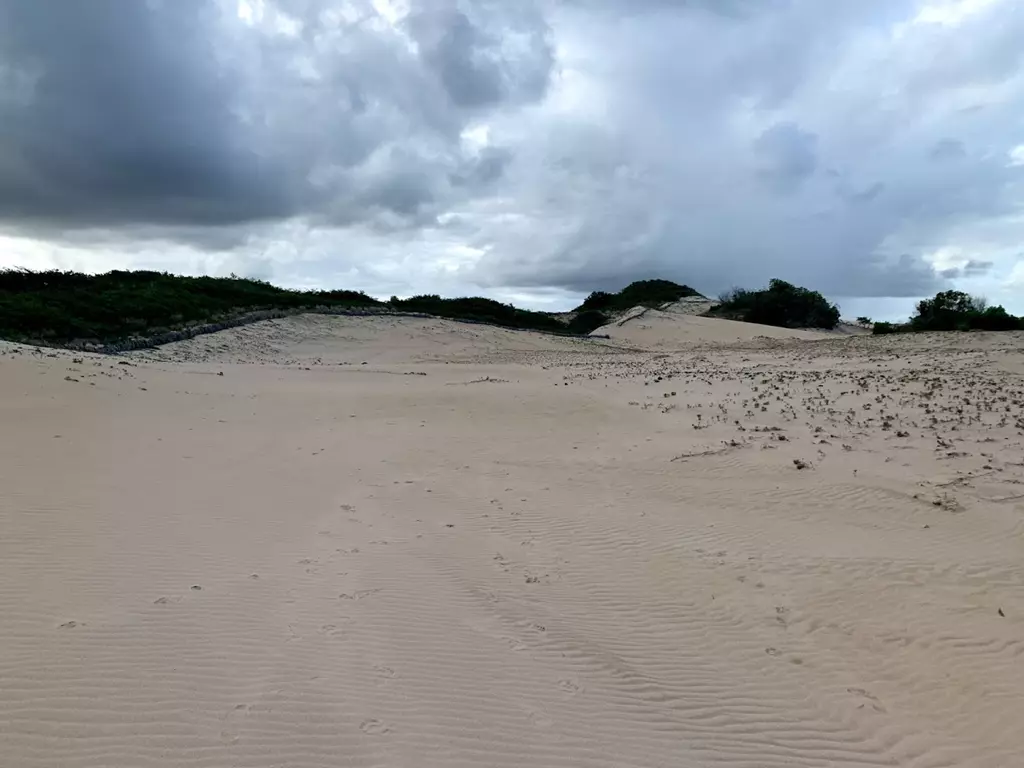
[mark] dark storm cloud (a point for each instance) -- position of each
(171, 113)
(972, 268)
(467, 59)
(129, 119)
(849, 145)
(787, 156)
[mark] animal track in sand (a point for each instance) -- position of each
(331, 630)
(374, 727)
(569, 686)
(360, 595)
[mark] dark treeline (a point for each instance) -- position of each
(954, 311)
(58, 307)
(482, 311)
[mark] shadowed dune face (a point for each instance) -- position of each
(683, 545)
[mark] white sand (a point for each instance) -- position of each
(676, 327)
(486, 548)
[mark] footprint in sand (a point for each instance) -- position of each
(362, 593)
(569, 686)
(332, 630)
(872, 701)
(374, 727)
(540, 720)
(230, 734)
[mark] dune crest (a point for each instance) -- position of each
(679, 325)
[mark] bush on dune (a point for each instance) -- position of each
(782, 304)
(61, 306)
(645, 293)
(588, 322)
(883, 329)
(959, 311)
(480, 310)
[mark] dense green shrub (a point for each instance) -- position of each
(587, 321)
(598, 301)
(958, 311)
(948, 311)
(62, 306)
(882, 329)
(781, 304)
(997, 319)
(481, 310)
(646, 293)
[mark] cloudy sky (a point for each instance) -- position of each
(529, 150)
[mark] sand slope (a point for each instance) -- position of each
(672, 328)
(490, 550)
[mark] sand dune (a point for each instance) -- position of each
(488, 548)
(674, 327)
(353, 340)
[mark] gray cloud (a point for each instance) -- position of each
(128, 119)
(948, 149)
(788, 156)
(484, 145)
(972, 268)
(170, 113)
(471, 60)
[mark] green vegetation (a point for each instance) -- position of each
(646, 293)
(781, 304)
(955, 311)
(883, 329)
(56, 307)
(481, 311)
(597, 309)
(587, 321)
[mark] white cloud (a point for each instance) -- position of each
(1015, 280)
(953, 13)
